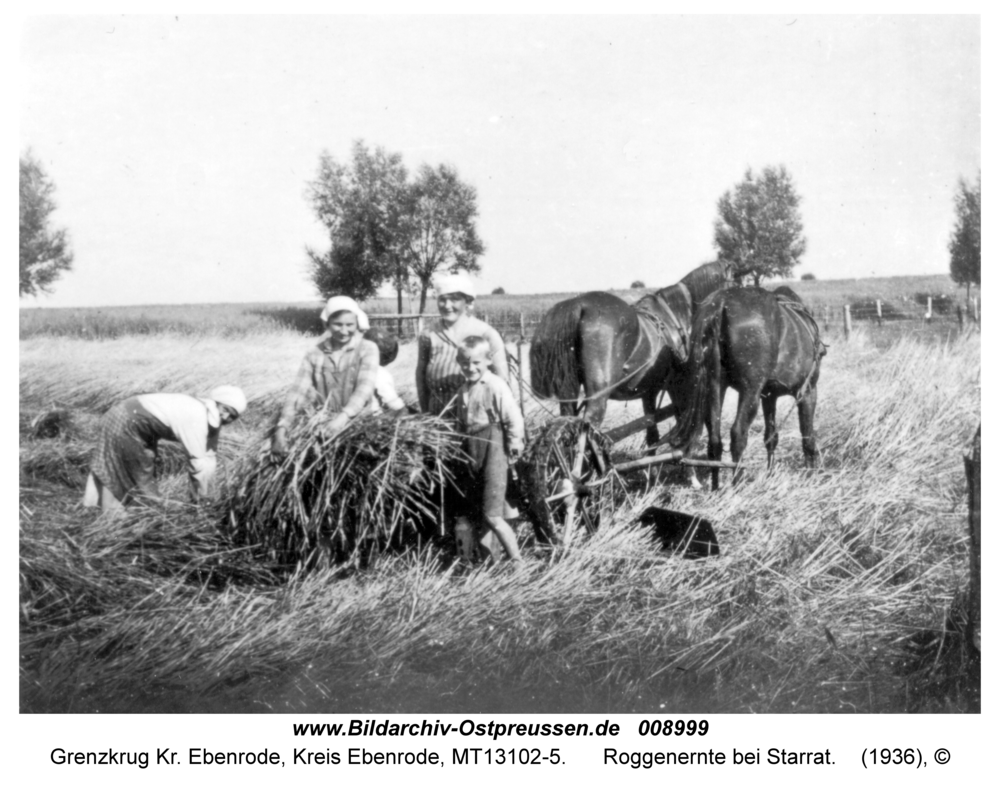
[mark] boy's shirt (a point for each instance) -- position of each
(490, 401)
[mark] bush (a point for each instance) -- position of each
(498, 290)
(808, 277)
(638, 285)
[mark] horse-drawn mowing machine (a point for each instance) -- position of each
(677, 341)
(566, 475)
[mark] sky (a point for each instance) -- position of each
(180, 147)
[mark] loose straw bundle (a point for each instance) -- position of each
(373, 486)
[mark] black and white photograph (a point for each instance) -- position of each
(466, 366)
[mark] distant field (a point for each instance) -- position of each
(903, 296)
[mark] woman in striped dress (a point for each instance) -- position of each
(439, 376)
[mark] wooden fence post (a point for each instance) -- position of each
(960, 313)
(402, 323)
(847, 321)
(975, 310)
(930, 309)
(878, 309)
(520, 372)
(973, 472)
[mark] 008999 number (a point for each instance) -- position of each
(673, 728)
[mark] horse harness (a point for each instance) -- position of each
(667, 323)
(797, 310)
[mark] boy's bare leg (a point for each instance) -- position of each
(505, 534)
(489, 547)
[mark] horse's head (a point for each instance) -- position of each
(736, 269)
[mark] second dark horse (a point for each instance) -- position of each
(618, 351)
(763, 345)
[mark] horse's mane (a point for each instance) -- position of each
(675, 298)
(704, 280)
(789, 293)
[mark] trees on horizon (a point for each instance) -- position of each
(965, 244)
(759, 228)
(44, 251)
(385, 228)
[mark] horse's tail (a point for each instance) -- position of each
(554, 352)
(704, 353)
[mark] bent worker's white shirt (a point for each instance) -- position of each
(189, 419)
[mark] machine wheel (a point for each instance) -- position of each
(566, 479)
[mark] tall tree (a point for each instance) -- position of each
(440, 227)
(759, 228)
(45, 253)
(360, 204)
(965, 238)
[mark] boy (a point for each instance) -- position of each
(494, 428)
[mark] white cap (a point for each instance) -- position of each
(341, 303)
(230, 396)
(458, 283)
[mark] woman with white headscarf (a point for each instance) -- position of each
(439, 377)
(338, 374)
(122, 469)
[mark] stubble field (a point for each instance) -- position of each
(832, 592)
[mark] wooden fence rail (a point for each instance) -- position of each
(521, 325)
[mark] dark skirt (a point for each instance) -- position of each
(126, 451)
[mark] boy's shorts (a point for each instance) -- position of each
(485, 482)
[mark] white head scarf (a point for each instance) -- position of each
(459, 283)
(230, 396)
(342, 303)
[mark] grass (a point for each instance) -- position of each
(832, 593)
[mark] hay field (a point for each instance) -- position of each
(831, 593)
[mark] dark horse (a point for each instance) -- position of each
(619, 351)
(763, 345)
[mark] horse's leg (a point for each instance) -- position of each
(746, 410)
(649, 408)
(807, 408)
(653, 436)
(595, 408)
(769, 403)
(713, 423)
(598, 359)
